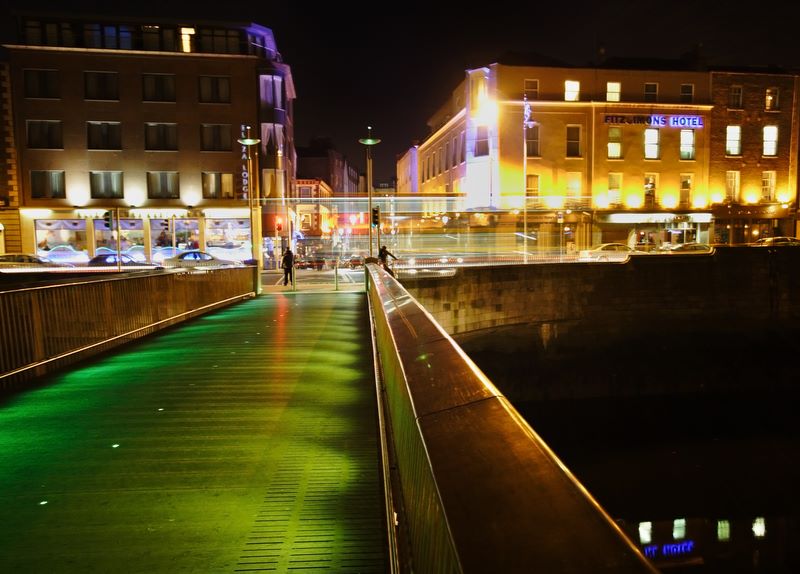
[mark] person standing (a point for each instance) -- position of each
(287, 264)
(383, 257)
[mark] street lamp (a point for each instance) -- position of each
(369, 141)
(255, 208)
(527, 123)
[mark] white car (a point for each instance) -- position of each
(608, 252)
(199, 259)
(27, 261)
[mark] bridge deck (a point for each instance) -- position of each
(243, 441)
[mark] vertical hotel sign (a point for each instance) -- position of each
(245, 164)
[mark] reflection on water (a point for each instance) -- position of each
(699, 483)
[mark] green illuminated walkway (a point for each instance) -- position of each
(244, 441)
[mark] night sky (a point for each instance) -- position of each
(354, 67)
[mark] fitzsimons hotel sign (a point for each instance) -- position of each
(655, 121)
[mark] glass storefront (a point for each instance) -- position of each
(229, 239)
(131, 242)
(62, 240)
(168, 237)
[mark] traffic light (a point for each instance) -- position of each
(279, 224)
(376, 216)
(107, 219)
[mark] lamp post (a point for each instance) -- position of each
(255, 207)
(526, 124)
(368, 142)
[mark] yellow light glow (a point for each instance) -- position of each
(634, 200)
(751, 196)
(783, 196)
(486, 109)
(717, 197)
(699, 201)
(90, 213)
(158, 213)
(78, 194)
(135, 195)
(554, 201)
(34, 213)
(191, 196)
(227, 212)
(669, 200)
(602, 201)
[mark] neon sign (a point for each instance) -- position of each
(245, 166)
(671, 550)
(657, 121)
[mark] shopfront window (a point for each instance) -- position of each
(168, 237)
(229, 239)
(62, 240)
(130, 230)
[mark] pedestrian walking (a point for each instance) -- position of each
(287, 264)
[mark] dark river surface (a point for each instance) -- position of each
(700, 481)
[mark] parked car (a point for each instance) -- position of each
(356, 262)
(608, 252)
(110, 260)
(690, 248)
(199, 259)
(780, 241)
(27, 260)
(310, 262)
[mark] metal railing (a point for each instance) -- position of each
(480, 490)
(44, 328)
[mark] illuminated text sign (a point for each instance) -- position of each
(656, 121)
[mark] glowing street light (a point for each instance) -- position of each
(255, 208)
(368, 142)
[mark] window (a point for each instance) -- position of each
(217, 185)
(650, 187)
(453, 148)
(215, 137)
(771, 99)
(573, 141)
(572, 91)
(650, 92)
(613, 90)
(219, 41)
(532, 141)
(463, 146)
(532, 185)
(48, 185)
(39, 33)
(42, 84)
(614, 143)
(687, 144)
(768, 185)
(687, 93)
(215, 89)
(614, 188)
(732, 179)
(651, 143)
(161, 137)
(187, 39)
(531, 90)
(158, 87)
(106, 184)
(44, 134)
(770, 142)
(733, 140)
(482, 141)
(162, 185)
(446, 158)
(101, 85)
(735, 97)
(574, 185)
(686, 189)
(104, 135)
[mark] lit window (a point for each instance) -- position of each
(759, 527)
(614, 188)
(532, 185)
(481, 142)
(733, 140)
(687, 144)
(217, 185)
(613, 90)
(574, 180)
(645, 532)
(650, 92)
(650, 186)
(768, 179)
(162, 185)
(732, 179)
(532, 141)
(651, 143)
(187, 35)
(723, 530)
(48, 185)
(770, 146)
(614, 143)
(771, 100)
(686, 188)
(572, 91)
(679, 529)
(105, 184)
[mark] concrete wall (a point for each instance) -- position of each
(633, 320)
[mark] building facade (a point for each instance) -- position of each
(647, 155)
(144, 118)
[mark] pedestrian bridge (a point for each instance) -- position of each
(293, 431)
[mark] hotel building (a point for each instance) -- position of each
(646, 154)
(143, 118)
